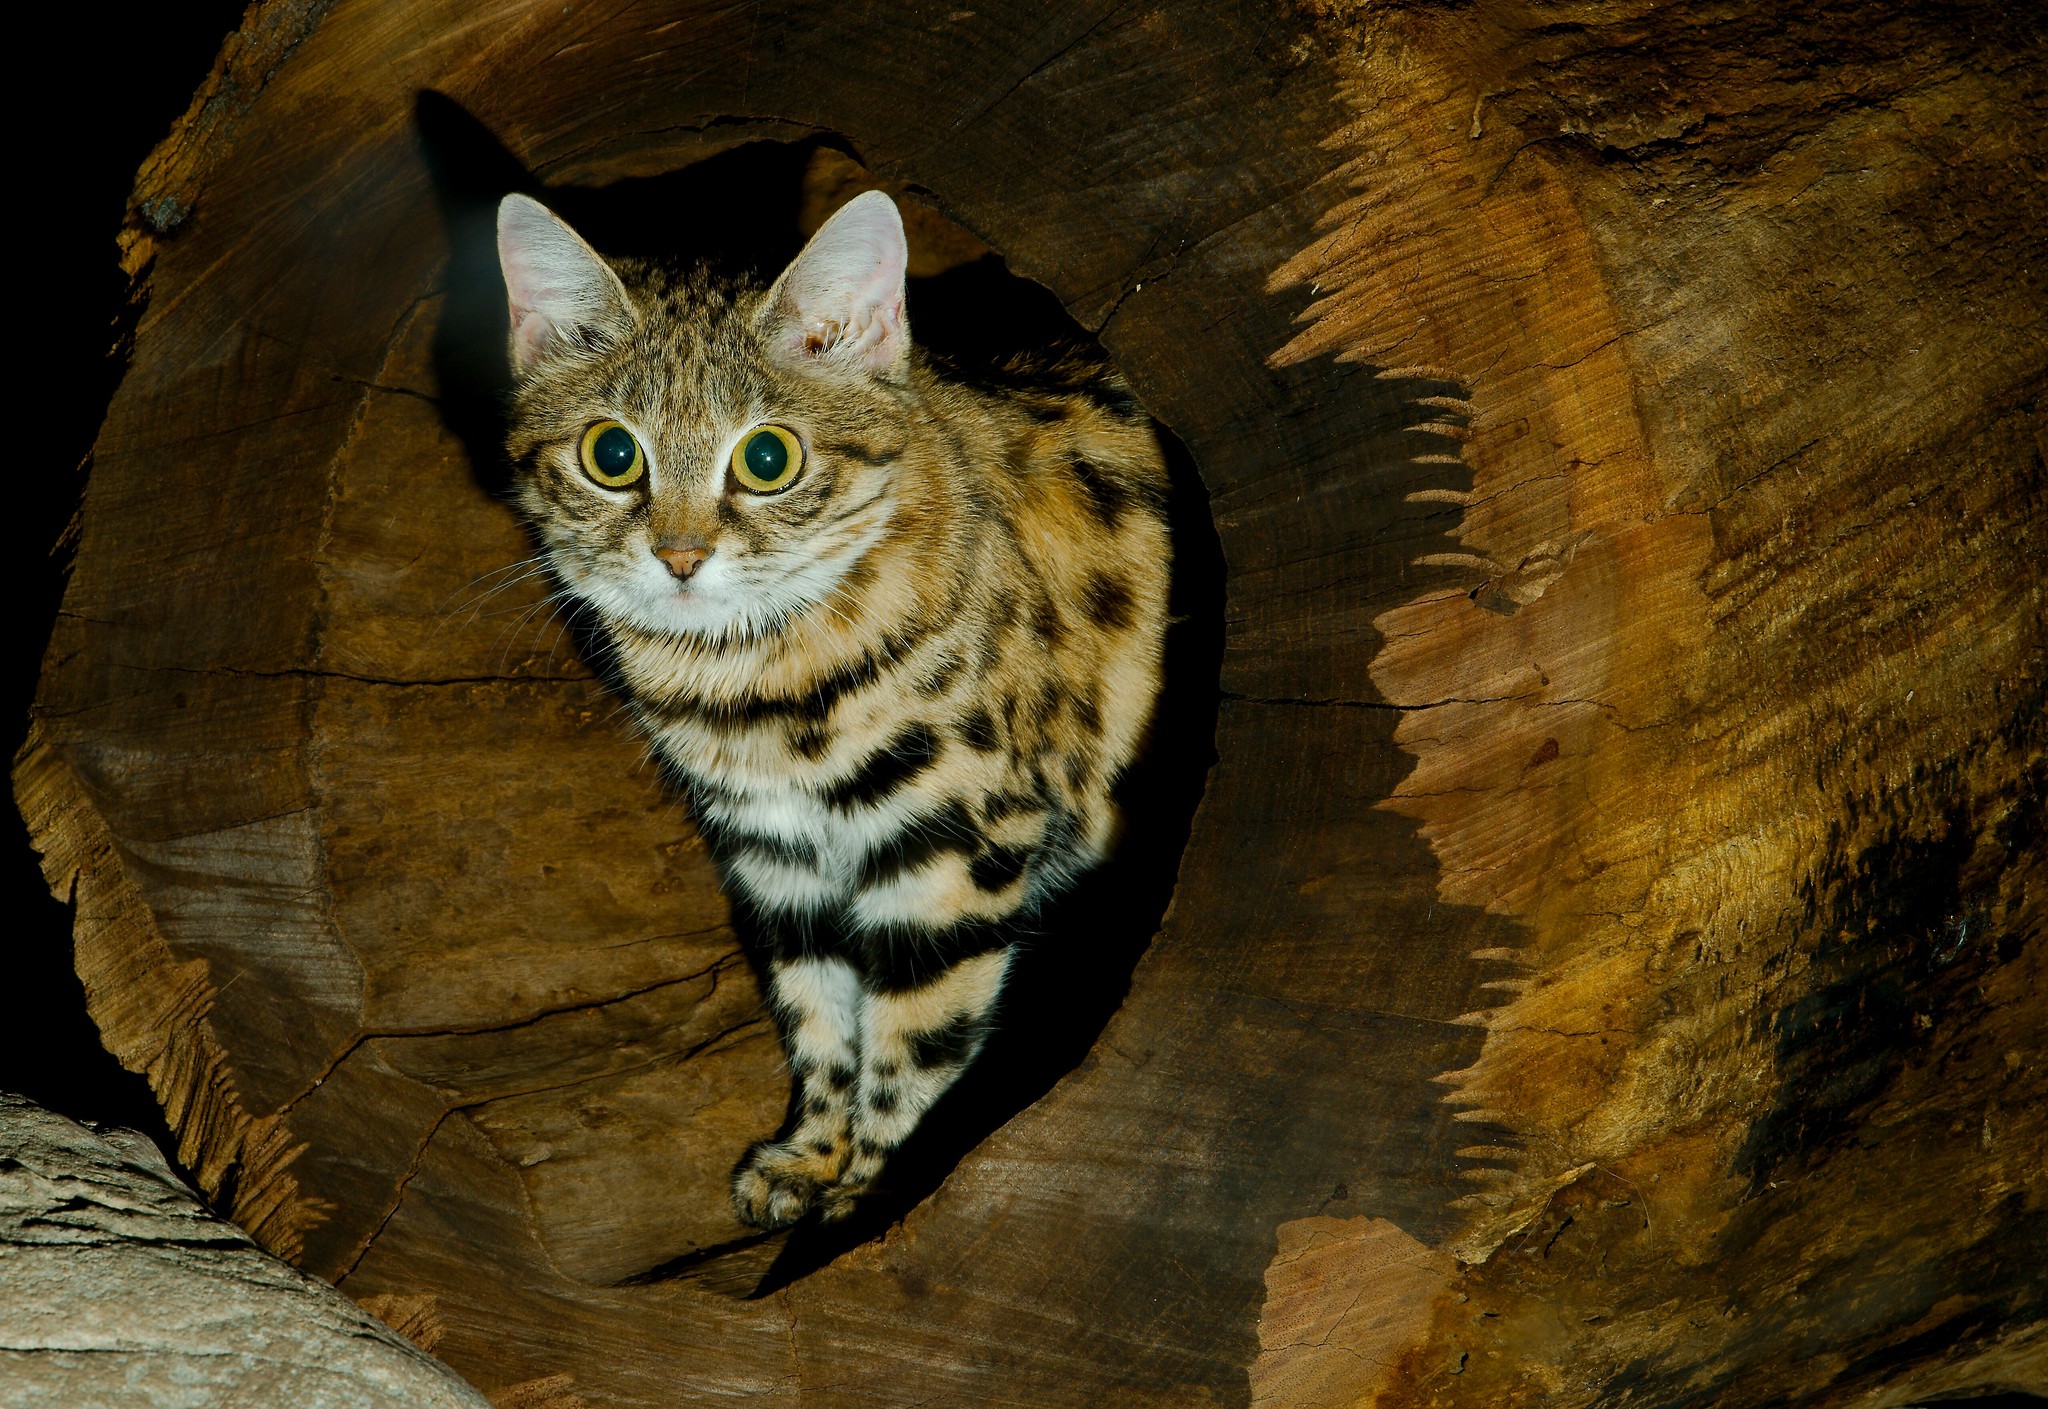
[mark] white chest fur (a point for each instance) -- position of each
(791, 848)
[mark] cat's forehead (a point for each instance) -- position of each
(695, 350)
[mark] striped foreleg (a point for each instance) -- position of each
(915, 1042)
(817, 1004)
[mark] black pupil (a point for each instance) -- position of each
(767, 456)
(614, 451)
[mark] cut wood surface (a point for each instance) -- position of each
(118, 1290)
(1606, 963)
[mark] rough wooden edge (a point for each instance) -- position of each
(152, 1009)
(167, 185)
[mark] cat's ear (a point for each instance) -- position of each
(556, 286)
(841, 303)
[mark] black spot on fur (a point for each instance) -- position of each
(882, 1100)
(840, 1078)
(886, 1070)
(851, 450)
(911, 957)
(996, 806)
(997, 867)
(912, 751)
(817, 703)
(1078, 771)
(918, 841)
(978, 730)
(1114, 398)
(809, 741)
(813, 703)
(841, 513)
(869, 1148)
(947, 1045)
(1105, 496)
(1087, 713)
(1049, 701)
(1045, 620)
(811, 500)
(941, 676)
(1107, 601)
(727, 841)
(823, 1147)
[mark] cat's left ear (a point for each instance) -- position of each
(841, 303)
(556, 286)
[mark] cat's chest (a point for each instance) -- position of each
(752, 786)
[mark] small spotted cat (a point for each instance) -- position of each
(896, 634)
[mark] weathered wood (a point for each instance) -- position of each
(1607, 961)
(118, 1290)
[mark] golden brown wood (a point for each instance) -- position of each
(1608, 959)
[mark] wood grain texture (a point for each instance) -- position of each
(118, 1290)
(1607, 959)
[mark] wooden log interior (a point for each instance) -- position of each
(1606, 963)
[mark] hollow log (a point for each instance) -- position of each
(1606, 962)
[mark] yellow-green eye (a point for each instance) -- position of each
(611, 455)
(767, 459)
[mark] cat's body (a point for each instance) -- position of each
(898, 676)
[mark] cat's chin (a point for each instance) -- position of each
(692, 612)
(688, 613)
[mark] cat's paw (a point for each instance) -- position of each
(779, 1182)
(836, 1200)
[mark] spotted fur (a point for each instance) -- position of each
(898, 692)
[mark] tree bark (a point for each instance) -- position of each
(118, 1289)
(1606, 963)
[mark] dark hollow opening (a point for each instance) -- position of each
(747, 208)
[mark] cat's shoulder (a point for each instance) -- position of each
(1069, 410)
(1054, 383)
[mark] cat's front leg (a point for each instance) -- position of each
(916, 1040)
(817, 1006)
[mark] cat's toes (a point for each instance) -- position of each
(778, 1183)
(837, 1200)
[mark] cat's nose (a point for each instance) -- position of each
(682, 556)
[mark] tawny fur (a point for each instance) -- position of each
(898, 691)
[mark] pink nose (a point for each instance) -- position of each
(682, 558)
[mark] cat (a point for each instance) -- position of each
(895, 633)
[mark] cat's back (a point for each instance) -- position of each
(1073, 581)
(1077, 479)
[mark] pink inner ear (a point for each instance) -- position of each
(530, 333)
(527, 324)
(843, 297)
(553, 281)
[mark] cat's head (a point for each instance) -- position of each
(700, 456)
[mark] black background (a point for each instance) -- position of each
(127, 75)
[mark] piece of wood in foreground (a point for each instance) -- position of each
(118, 1290)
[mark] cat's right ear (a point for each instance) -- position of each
(556, 286)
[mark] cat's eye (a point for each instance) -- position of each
(611, 455)
(767, 459)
